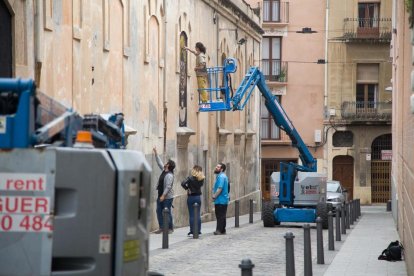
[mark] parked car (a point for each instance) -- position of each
(336, 194)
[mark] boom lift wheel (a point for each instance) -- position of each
(268, 216)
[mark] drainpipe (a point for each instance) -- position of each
(38, 38)
(164, 84)
(217, 37)
(326, 57)
(325, 96)
(217, 63)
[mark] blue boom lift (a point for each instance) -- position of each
(29, 118)
(66, 209)
(299, 193)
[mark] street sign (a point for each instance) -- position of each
(386, 154)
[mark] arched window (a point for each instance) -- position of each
(381, 143)
(183, 81)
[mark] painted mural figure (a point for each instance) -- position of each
(200, 69)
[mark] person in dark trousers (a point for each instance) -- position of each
(200, 69)
(221, 198)
(165, 191)
(193, 185)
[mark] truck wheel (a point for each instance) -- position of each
(267, 214)
(322, 212)
(276, 207)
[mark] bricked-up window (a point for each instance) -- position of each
(367, 86)
(271, 10)
(271, 62)
(5, 41)
(268, 128)
(343, 139)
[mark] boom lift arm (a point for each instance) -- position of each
(254, 77)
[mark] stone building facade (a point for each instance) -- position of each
(103, 56)
(358, 110)
(403, 125)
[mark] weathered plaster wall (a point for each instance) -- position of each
(123, 56)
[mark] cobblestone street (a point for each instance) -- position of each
(221, 255)
(356, 253)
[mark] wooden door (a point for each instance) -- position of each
(343, 171)
(268, 167)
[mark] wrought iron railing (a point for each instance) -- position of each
(367, 110)
(368, 28)
(275, 11)
(275, 70)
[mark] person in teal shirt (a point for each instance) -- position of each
(221, 198)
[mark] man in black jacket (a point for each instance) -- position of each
(165, 191)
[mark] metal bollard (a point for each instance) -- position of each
(236, 213)
(319, 242)
(165, 220)
(307, 250)
(343, 227)
(251, 211)
(351, 212)
(290, 254)
(355, 210)
(331, 243)
(359, 207)
(347, 215)
(195, 221)
(338, 223)
(389, 206)
(246, 267)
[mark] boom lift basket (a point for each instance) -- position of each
(219, 90)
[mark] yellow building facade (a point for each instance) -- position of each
(358, 102)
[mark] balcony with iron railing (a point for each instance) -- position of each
(275, 12)
(275, 70)
(367, 29)
(366, 111)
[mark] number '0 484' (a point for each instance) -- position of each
(25, 223)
